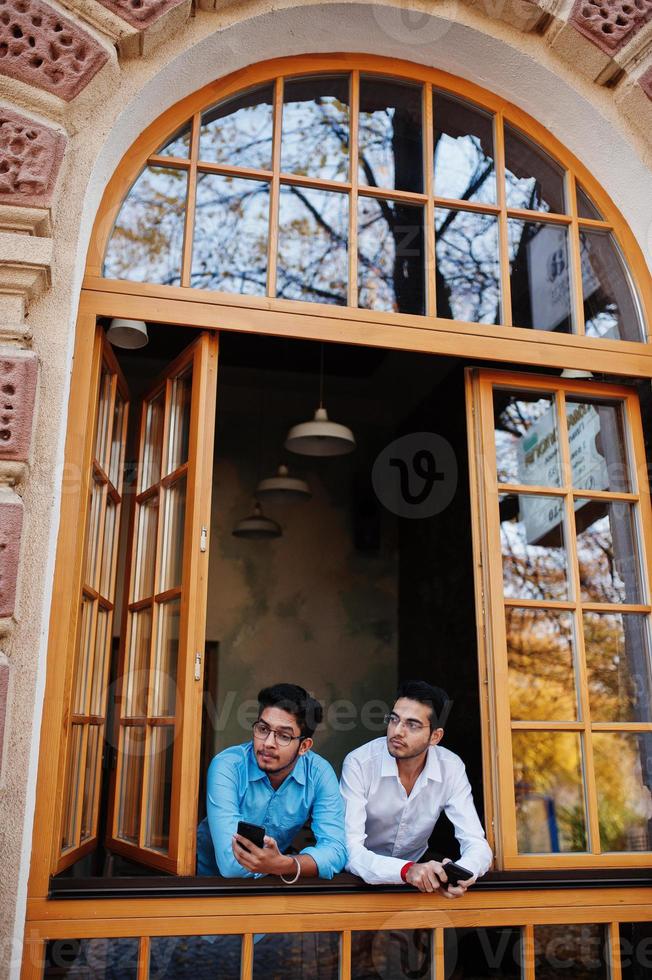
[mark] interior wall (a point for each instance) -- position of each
(309, 608)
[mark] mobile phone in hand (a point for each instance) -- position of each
(252, 832)
(456, 873)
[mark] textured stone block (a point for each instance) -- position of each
(645, 81)
(17, 394)
(40, 47)
(610, 24)
(11, 526)
(30, 158)
(140, 13)
(4, 694)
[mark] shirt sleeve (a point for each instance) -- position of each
(375, 869)
(327, 822)
(475, 853)
(223, 812)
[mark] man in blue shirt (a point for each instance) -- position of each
(274, 781)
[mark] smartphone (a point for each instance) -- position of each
(252, 832)
(456, 873)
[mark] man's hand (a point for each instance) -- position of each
(431, 876)
(266, 860)
(456, 891)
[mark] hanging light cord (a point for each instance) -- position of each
(321, 376)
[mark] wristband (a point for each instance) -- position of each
(405, 869)
(296, 877)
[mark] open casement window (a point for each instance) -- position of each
(565, 546)
(95, 613)
(153, 808)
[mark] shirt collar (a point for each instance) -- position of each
(255, 772)
(432, 768)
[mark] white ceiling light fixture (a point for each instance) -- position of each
(575, 373)
(320, 436)
(257, 526)
(130, 334)
(282, 486)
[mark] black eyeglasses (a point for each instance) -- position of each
(412, 726)
(262, 731)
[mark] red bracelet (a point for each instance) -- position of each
(405, 869)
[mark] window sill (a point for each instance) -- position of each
(194, 887)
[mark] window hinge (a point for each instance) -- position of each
(203, 537)
(198, 666)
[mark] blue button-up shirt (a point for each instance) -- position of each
(238, 789)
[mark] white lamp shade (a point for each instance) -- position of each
(578, 373)
(283, 487)
(130, 334)
(256, 526)
(320, 437)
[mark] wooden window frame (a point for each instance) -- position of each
(497, 723)
(189, 111)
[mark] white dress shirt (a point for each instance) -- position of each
(385, 827)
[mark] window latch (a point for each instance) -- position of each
(203, 538)
(198, 666)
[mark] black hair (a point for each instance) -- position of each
(435, 697)
(296, 701)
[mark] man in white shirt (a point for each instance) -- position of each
(394, 790)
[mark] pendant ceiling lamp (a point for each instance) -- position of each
(282, 486)
(320, 436)
(257, 526)
(129, 334)
(578, 373)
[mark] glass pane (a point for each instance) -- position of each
(464, 150)
(147, 240)
(137, 681)
(230, 239)
(534, 555)
(533, 179)
(93, 754)
(312, 246)
(297, 956)
(540, 644)
(570, 950)
(610, 305)
(174, 523)
(147, 517)
(238, 131)
(623, 775)
(195, 957)
(179, 434)
(550, 810)
(539, 276)
(83, 656)
(117, 443)
(525, 430)
(482, 954)
(102, 648)
(73, 787)
(392, 953)
(92, 542)
(468, 267)
(618, 666)
(92, 959)
(131, 783)
(635, 950)
(390, 140)
(391, 259)
(159, 791)
(585, 206)
(597, 443)
(316, 127)
(607, 552)
(165, 677)
(177, 145)
(102, 426)
(153, 444)
(109, 546)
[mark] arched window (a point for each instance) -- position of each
(386, 194)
